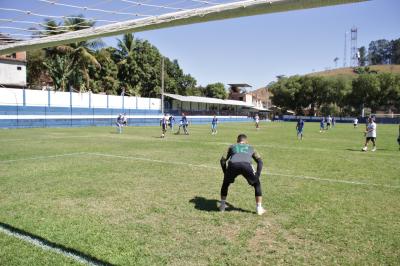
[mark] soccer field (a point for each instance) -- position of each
(137, 199)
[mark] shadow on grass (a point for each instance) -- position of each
(40, 241)
(211, 205)
(359, 150)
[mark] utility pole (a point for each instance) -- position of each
(162, 85)
(345, 50)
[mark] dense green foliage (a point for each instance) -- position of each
(338, 96)
(382, 52)
(134, 67)
(156, 202)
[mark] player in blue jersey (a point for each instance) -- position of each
(300, 128)
(184, 124)
(322, 125)
(214, 124)
(119, 123)
(171, 121)
(240, 156)
(163, 124)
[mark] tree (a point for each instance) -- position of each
(215, 90)
(81, 53)
(104, 79)
(60, 69)
(35, 67)
(389, 95)
(379, 52)
(395, 51)
(286, 93)
(365, 92)
(363, 56)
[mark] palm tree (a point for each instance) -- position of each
(60, 69)
(127, 66)
(81, 53)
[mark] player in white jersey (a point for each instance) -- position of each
(328, 122)
(355, 122)
(370, 135)
(257, 120)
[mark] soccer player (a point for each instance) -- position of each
(171, 120)
(370, 135)
(322, 125)
(333, 121)
(300, 128)
(119, 123)
(184, 124)
(257, 119)
(355, 122)
(124, 120)
(398, 138)
(163, 124)
(214, 123)
(328, 122)
(240, 156)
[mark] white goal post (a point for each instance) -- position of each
(198, 15)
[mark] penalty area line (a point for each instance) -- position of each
(268, 173)
(42, 157)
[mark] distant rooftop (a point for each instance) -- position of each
(5, 39)
(240, 85)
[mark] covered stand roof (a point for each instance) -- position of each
(197, 99)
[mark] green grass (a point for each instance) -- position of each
(131, 211)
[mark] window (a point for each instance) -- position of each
(19, 68)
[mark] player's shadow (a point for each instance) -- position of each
(44, 242)
(359, 150)
(211, 205)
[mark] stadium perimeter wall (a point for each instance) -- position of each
(361, 120)
(21, 108)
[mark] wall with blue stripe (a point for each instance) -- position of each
(39, 116)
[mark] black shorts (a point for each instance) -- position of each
(398, 140)
(244, 169)
(328, 124)
(371, 138)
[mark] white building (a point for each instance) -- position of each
(12, 68)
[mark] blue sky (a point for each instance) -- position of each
(257, 49)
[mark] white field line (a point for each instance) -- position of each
(42, 157)
(42, 244)
(268, 173)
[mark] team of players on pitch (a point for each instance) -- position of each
(238, 160)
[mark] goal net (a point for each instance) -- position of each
(22, 29)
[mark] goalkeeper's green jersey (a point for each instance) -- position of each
(242, 153)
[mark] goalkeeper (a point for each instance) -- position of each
(240, 156)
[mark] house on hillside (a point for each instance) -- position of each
(238, 92)
(12, 67)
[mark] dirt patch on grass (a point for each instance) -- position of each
(270, 238)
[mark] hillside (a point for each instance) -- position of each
(348, 71)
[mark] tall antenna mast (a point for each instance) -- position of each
(354, 48)
(345, 50)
